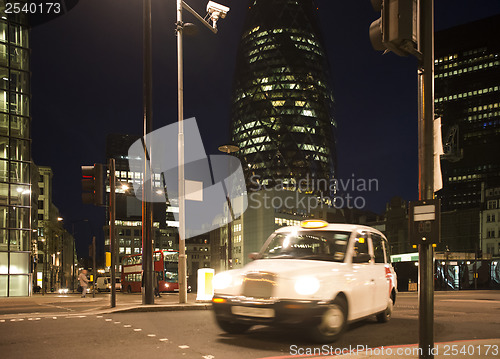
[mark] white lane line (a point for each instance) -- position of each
(38, 318)
(30, 318)
(208, 357)
(54, 317)
(151, 335)
(108, 320)
(127, 326)
(2, 320)
(99, 316)
(117, 322)
(163, 340)
(184, 346)
(137, 330)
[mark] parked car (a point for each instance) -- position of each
(316, 276)
(103, 284)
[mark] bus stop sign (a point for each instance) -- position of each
(425, 222)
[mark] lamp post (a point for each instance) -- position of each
(215, 11)
(228, 149)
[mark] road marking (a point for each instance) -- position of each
(151, 335)
(54, 317)
(30, 318)
(117, 322)
(208, 357)
(38, 318)
(163, 340)
(2, 321)
(137, 330)
(184, 346)
(470, 300)
(108, 320)
(127, 326)
(99, 316)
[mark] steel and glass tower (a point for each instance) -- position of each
(282, 101)
(15, 155)
(467, 77)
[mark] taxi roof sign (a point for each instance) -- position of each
(313, 224)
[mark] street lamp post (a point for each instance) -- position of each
(215, 11)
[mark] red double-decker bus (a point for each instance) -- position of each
(165, 265)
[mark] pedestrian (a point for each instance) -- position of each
(84, 282)
(157, 285)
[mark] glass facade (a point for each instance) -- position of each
(15, 155)
(467, 82)
(282, 100)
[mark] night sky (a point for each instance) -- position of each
(87, 82)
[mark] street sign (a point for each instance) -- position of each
(425, 221)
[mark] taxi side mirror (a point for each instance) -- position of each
(361, 258)
(254, 255)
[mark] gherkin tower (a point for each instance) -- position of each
(282, 101)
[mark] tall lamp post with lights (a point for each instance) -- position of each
(215, 12)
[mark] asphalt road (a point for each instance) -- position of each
(194, 334)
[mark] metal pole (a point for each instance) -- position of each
(73, 260)
(94, 267)
(180, 154)
(426, 175)
(147, 208)
(112, 234)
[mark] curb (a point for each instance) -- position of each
(157, 308)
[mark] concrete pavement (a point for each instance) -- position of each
(72, 304)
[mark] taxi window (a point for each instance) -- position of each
(311, 245)
(360, 249)
(378, 248)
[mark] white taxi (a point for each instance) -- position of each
(317, 276)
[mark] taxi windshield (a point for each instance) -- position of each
(311, 245)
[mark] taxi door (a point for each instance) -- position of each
(361, 279)
(382, 286)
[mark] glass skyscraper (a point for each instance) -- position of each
(467, 77)
(15, 155)
(282, 100)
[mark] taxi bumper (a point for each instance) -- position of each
(268, 311)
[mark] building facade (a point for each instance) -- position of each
(15, 155)
(490, 222)
(282, 100)
(128, 223)
(467, 82)
(55, 252)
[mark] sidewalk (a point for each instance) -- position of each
(74, 304)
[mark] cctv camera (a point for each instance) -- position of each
(217, 11)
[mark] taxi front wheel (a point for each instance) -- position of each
(385, 316)
(231, 327)
(332, 323)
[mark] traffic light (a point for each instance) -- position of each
(397, 28)
(93, 184)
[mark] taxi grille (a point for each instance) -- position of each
(259, 285)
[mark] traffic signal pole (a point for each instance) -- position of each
(112, 233)
(426, 174)
(147, 186)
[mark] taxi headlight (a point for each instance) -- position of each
(222, 280)
(306, 285)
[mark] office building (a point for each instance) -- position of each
(15, 155)
(54, 254)
(467, 97)
(282, 101)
